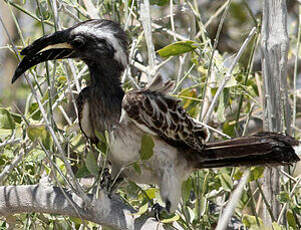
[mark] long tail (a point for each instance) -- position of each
(260, 149)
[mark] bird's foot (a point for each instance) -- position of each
(157, 209)
(161, 212)
(106, 180)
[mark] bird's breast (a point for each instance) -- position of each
(125, 146)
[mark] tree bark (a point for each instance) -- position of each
(274, 47)
(110, 212)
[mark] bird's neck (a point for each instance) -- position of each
(106, 93)
(106, 77)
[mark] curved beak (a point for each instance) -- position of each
(49, 47)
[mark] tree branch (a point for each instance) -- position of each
(274, 47)
(111, 212)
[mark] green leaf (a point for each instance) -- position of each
(147, 145)
(82, 172)
(159, 2)
(6, 120)
(61, 79)
(100, 136)
(102, 147)
(137, 168)
(39, 132)
(91, 163)
(226, 182)
(203, 205)
(142, 209)
(228, 128)
(34, 109)
(61, 165)
(237, 174)
(132, 189)
(17, 117)
(170, 219)
(5, 132)
(250, 222)
(291, 219)
(36, 155)
(284, 197)
(277, 226)
(102, 143)
(178, 48)
(151, 193)
(76, 220)
(186, 189)
(256, 173)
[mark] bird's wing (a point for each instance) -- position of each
(153, 111)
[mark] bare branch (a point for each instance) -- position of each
(274, 47)
(146, 22)
(224, 220)
(43, 198)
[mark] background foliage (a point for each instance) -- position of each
(195, 44)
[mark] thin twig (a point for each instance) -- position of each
(218, 12)
(228, 74)
(170, 32)
(67, 11)
(27, 12)
(91, 9)
(235, 197)
(214, 130)
(146, 23)
(172, 21)
(248, 119)
(16, 160)
(206, 90)
(73, 179)
(284, 206)
(55, 14)
(288, 176)
(10, 141)
(267, 204)
(182, 79)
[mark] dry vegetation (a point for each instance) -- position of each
(211, 49)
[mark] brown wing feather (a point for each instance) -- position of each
(164, 116)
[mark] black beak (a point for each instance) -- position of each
(49, 47)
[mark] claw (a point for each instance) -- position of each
(157, 208)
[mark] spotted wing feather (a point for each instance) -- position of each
(162, 115)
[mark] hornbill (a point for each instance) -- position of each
(179, 140)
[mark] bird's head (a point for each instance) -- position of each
(94, 41)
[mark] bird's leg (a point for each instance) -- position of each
(108, 184)
(115, 184)
(106, 180)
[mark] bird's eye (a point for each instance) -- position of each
(78, 42)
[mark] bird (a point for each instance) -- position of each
(179, 141)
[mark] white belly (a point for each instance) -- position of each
(167, 167)
(125, 156)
